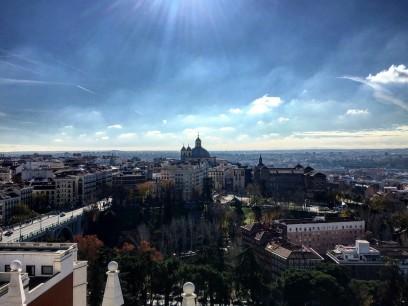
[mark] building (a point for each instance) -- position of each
(198, 153)
(274, 253)
(80, 187)
(320, 233)
(66, 190)
(10, 196)
(188, 178)
(281, 255)
(5, 175)
(43, 192)
(38, 274)
(362, 260)
(227, 178)
(128, 180)
(289, 184)
(395, 252)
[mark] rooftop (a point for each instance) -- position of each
(316, 220)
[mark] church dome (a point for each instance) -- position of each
(200, 152)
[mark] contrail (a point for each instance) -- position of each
(380, 92)
(7, 81)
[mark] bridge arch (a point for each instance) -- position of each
(64, 234)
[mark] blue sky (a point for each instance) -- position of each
(150, 74)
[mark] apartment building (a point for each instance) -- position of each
(228, 178)
(188, 178)
(11, 196)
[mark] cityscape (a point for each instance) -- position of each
(203, 153)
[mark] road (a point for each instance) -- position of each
(48, 221)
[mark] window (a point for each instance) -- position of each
(7, 268)
(46, 270)
(30, 270)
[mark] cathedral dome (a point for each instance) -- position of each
(200, 152)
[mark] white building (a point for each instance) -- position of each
(188, 178)
(361, 260)
(37, 274)
(360, 253)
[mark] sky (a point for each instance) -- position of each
(246, 75)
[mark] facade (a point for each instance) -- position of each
(44, 190)
(128, 180)
(5, 175)
(229, 178)
(66, 190)
(321, 233)
(80, 187)
(362, 260)
(188, 178)
(11, 196)
(281, 255)
(292, 184)
(274, 253)
(39, 274)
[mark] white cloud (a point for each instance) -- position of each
(283, 119)
(164, 121)
(100, 133)
(235, 111)
(260, 122)
(154, 134)
(127, 136)
(394, 74)
(115, 126)
(58, 140)
(82, 135)
(68, 126)
(242, 137)
(227, 129)
(105, 137)
(264, 105)
(357, 112)
(2, 114)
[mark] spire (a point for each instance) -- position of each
(113, 293)
(188, 295)
(15, 295)
(260, 163)
(198, 141)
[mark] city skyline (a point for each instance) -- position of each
(150, 75)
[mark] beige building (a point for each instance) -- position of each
(188, 178)
(227, 178)
(5, 175)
